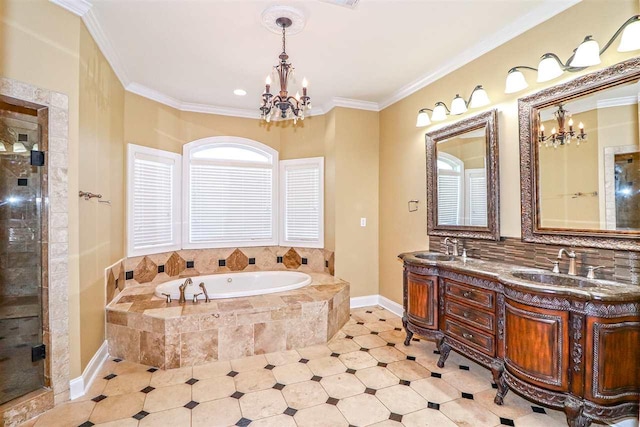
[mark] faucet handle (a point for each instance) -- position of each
(195, 297)
(168, 298)
(556, 265)
(591, 271)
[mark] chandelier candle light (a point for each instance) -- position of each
(283, 105)
(561, 137)
(478, 98)
(584, 56)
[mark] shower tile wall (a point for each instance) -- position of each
(621, 266)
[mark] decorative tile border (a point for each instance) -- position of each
(159, 268)
(54, 114)
(621, 266)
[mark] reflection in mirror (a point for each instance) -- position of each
(589, 161)
(462, 179)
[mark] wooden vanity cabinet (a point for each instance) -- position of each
(420, 297)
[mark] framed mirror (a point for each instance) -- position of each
(462, 179)
(580, 161)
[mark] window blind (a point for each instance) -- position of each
(153, 197)
(476, 197)
(449, 198)
(302, 202)
(230, 203)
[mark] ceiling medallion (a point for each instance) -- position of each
(271, 15)
(282, 105)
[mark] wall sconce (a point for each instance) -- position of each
(478, 98)
(585, 55)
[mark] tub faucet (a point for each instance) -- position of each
(572, 260)
(182, 288)
(204, 291)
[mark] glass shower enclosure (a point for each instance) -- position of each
(22, 367)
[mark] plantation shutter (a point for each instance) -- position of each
(449, 199)
(476, 197)
(230, 203)
(302, 202)
(153, 196)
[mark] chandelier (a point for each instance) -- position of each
(561, 136)
(284, 105)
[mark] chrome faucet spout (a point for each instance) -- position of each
(182, 289)
(572, 260)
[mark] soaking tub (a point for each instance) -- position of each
(233, 285)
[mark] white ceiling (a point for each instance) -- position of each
(192, 54)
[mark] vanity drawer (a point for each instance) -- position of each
(479, 319)
(473, 338)
(476, 296)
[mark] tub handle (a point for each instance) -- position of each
(168, 298)
(195, 297)
(204, 290)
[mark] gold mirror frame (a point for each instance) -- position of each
(528, 108)
(488, 120)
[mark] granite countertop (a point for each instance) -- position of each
(141, 299)
(507, 274)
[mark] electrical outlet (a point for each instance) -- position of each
(363, 222)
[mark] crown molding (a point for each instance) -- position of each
(77, 7)
(618, 102)
(546, 11)
(355, 103)
(104, 44)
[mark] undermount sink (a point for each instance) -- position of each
(433, 256)
(554, 279)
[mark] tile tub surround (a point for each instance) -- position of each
(363, 376)
(142, 328)
(162, 267)
(54, 109)
(620, 266)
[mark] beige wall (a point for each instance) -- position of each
(566, 171)
(100, 170)
(39, 45)
(402, 156)
(347, 138)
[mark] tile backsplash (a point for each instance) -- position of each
(158, 268)
(621, 266)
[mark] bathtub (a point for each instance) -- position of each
(233, 285)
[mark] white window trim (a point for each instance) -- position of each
(186, 173)
(315, 161)
(132, 150)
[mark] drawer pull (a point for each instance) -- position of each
(466, 294)
(465, 315)
(467, 336)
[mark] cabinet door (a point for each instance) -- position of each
(422, 300)
(613, 359)
(537, 345)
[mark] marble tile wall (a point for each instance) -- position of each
(145, 329)
(53, 116)
(621, 266)
(159, 268)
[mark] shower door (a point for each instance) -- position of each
(21, 349)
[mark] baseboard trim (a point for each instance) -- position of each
(384, 302)
(79, 386)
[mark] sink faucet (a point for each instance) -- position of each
(182, 288)
(454, 242)
(572, 260)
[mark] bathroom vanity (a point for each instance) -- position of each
(562, 341)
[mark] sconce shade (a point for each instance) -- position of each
(18, 147)
(2, 147)
(479, 98)
(587, 54)
(548, 68)
(439, 112)
(630, 39)
(35, 147)
(458, 106)
(515, 82)
(423, 119)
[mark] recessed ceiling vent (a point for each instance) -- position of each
(351, 4)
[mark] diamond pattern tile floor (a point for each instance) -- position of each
(363, 376)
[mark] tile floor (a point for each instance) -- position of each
(364, 376)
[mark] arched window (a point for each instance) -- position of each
(230, 193)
